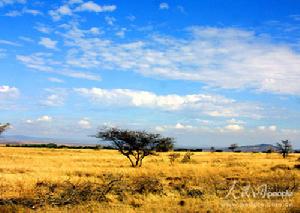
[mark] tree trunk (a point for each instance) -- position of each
(132, 164)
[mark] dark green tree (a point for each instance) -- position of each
(165, 145)
(135, 145)
(3, 127)
(285, 147)
(233, 147)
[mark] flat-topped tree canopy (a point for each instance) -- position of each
(135, 145)
(3, 127)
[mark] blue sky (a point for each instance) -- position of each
(209, 73)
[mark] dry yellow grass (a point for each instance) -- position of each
(198, 186)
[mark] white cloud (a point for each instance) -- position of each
(44, 118)
(11, 43)
(48, 43)
(73, 6)
(10, 2)
(261, 127)
(95, 31)
(43, 62)
(181, 126)
(197, 103)
(55, 97)
(91, 6)
(85, 123)
(75, 2)
(181, 9)
(176, 127)
(81, 75)
(15, 13)
(163, 6)
(53, 100)
(27, 39)
(271, 128)
(121, 32)
(234, 121)
(29, 121)
(63, 10)
(110, 20)
(55, 80)
(2, 53)
(234, 127)
(8, 92)
(219, 57)
(43, 29)
(8, 96)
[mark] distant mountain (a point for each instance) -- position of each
(248, 148)
(257, 148)
(29, 139)
(24, 138)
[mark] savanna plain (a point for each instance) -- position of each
(65, 180)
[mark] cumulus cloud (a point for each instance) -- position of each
(39, 120)
(48, 43)
(233, 127)
(177, 126)
(163, 6)
(55, 98)
(63, 10)
(91, 6)
(8, 92)
(234, 121)
(272, 128)
(8, 96)
(44, 118)
(85, 123)
(43, 28)
(71, 7)
(200, 103)
(29, 121)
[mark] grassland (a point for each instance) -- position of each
(62, 180)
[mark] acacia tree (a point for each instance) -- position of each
(233, 146)
(3, 127)
(135, 145)
(285, 147)
(165, 145)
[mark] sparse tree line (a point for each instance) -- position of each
(136, 145)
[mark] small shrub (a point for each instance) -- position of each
(187, 157)
(181, 203)
(280, 166)
(147, 185)
(173, 157)
(194, 193)
(297, 166)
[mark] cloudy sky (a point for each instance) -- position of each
(208, 73)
